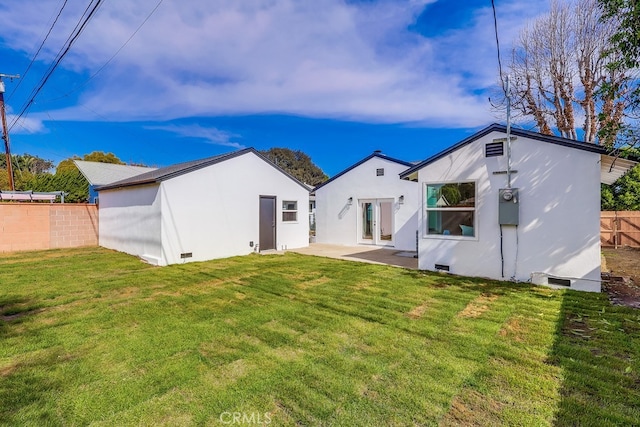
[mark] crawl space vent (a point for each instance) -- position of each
(442, 267)
(494, 149)
(560, 282)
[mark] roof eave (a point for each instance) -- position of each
(355, 165)
(514, 131)
(125, 185)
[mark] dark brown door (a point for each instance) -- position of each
(267, 223)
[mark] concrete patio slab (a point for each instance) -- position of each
(362, 253)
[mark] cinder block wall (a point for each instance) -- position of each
(33, 226)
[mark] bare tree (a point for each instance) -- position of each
(557, 67)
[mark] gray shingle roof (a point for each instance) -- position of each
(172, 171)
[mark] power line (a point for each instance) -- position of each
(77, 31)
(38, 51)
(81, 85)
(495, 27)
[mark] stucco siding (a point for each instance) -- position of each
(214, 212)
(338, 222)
(558, 231)
(130, 221)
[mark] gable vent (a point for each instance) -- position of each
(380, 172)
(494, 149)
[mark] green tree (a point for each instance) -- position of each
(625, 53)
(624, 194)
(95, 156)
(25, 166)
(296, 163)
(69, 181)
(67, 165)
(27, 163)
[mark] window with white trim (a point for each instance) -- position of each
(289, 211)
(451, 209)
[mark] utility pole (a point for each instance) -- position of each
(5, 130)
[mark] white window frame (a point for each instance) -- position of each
(284, 204)
(427, 209)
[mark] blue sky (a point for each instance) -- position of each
(335, 79)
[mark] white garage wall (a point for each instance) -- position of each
(214, 212)
(129, 221)
(559, 214)
(338, 223)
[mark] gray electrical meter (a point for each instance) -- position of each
(509, 206)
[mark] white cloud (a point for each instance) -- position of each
(28, 125)
(329, 59)
(209, 134)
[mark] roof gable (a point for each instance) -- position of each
(355, 165)
(163, 174)
(584, 146)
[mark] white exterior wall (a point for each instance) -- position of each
(213, 212)
(559, 231)
(129, 221)
(339, 223)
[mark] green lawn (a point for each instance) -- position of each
(90, 336)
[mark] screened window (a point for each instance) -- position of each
(451, 209)
(289, 210)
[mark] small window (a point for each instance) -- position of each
(494, 149)
(380, 172)
(289, 210)
(451, 209)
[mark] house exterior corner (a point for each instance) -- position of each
(553, 238)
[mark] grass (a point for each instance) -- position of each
(90, 336)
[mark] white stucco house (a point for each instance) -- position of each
(368, 203)
(544, 227)
(227, 205)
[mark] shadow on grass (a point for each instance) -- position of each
(597, 346)
(30, 388)
(13, 311)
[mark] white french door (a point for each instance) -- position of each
(375, 222)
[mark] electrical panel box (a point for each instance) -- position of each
(509, 206)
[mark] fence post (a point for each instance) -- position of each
(615, 230)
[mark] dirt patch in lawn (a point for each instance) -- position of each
(513, 329)
(621, 274)
(418, 311)
(478, 306)
(471, 408)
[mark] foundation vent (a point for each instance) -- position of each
(442, 267)
(557, 281)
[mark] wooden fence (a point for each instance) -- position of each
(620, 228)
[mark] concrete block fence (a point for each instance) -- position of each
(33, 226)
